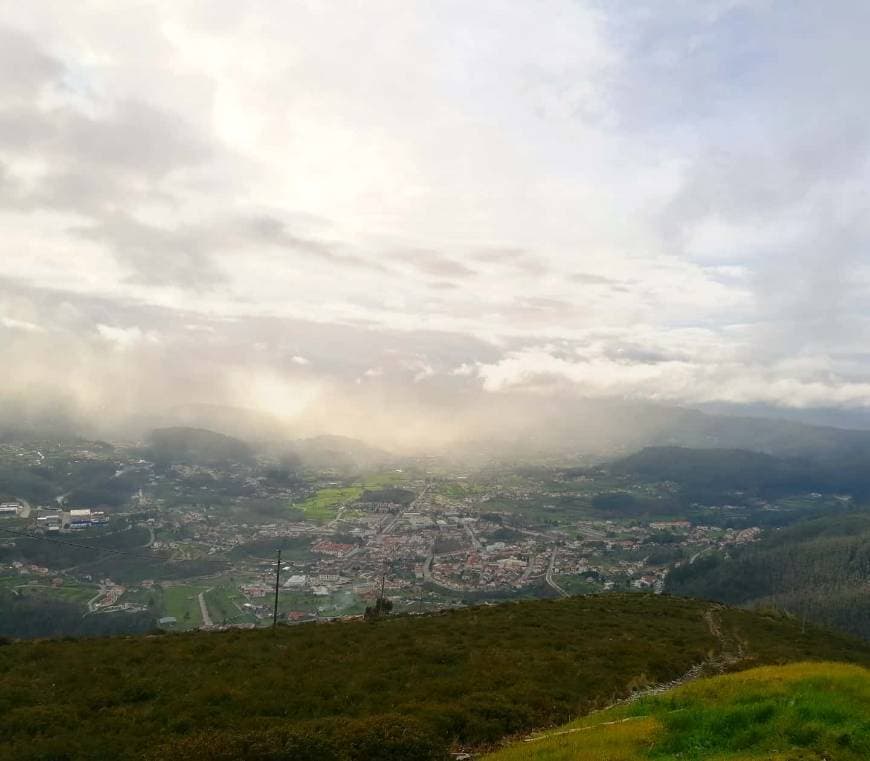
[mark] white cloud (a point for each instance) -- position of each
(126, 338)
(629, 198)
(803, 384)
(466, 369)
(12, 323)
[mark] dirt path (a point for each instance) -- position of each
(716, 664)
(203, 608)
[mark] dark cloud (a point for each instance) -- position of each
(185, 255)
(499, 254)
(98, 162)
(710, 158)
(157, 256)
(433, 263)
(269, 230)
(513, 258)
(123, 135)
(443, 285)
(586, 278)
(133, 137)
(24, 67)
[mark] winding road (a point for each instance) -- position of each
(203, 608)
(549, 576)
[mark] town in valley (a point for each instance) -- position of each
(195, 545)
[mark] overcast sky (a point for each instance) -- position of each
(275, 203)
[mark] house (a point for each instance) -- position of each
(332, 548)
(79, 518)
(297, 581)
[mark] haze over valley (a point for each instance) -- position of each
(414, 381)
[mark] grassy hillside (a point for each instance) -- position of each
(402, 688)
(796, 712)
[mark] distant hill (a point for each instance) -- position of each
(240, 422)
(196, 446)
(783, 438)
(408, 688)
(735, 469)
(706, 470)
(269, 434)
(566, 428)
(799, 712)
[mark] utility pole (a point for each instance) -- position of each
(277, 586)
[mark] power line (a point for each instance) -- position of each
(150, 558)
(82, 545)
(277, 588)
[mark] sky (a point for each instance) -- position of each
(384, 214)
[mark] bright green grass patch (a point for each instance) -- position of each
(182, 603)
(74, 593)
(323, 506)
(387, 478)
(225, 606)
(800, 711)
(623, 741)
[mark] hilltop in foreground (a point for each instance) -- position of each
(798, 712)
(410, 687)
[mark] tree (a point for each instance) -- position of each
(381, 608)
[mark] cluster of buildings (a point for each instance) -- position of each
(447, 550)
(56, 519)
(454, 541)
(9, 509)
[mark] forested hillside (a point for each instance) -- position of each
(817, 569)
(28, 615)
(196, 445)
(706, 474)
(409, 688)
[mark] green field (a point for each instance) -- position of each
(8, 582)
(323, 506)
(225, 605)
(69, 592)
(578, 585)
(798, 712)
(387, 478)
(181, 602)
